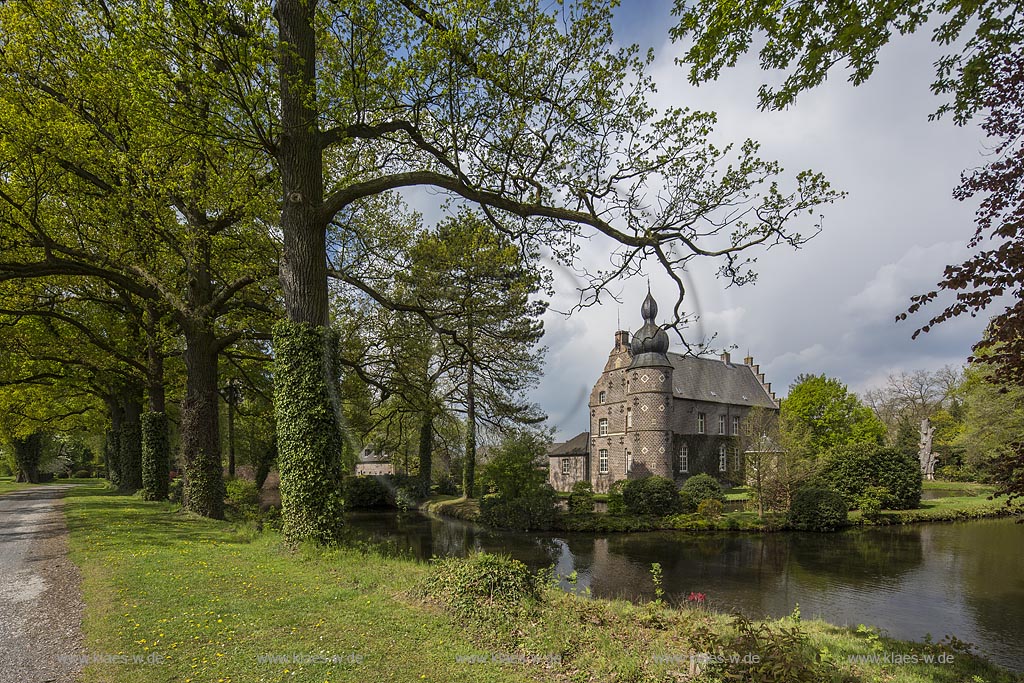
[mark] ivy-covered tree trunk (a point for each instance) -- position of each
(155, 456)
(426, 449)
(469, 469)
(112, 444)
(309, 441)
(27, 454)
(200, 426)
(307, 404)
(130, 443)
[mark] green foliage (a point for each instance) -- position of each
(513, 471)
(534, 510)
(873, 500)
(481, 584)
(851, 469)
(581, 498)
(653, 495)
(818, 509)
(176, 490)
(831, 414)
(309, 436)
(853, 34)
(243, 499)
(697, 489)
(710, 509)
(616, 499)
(364, 492)
(155, 456)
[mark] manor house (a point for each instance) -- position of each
(657, 412)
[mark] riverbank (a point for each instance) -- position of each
(976, 505)
(200, 600)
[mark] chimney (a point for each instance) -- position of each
(749, 360)
(725, 357)
(621, 340)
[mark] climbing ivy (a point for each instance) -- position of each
(130, 455)
(155, 456)
(310, 443)
(112, 455)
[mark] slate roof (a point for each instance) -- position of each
(710, 379)
(577, 445)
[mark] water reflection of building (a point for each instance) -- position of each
(656, 412)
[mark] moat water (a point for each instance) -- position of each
(959, 579)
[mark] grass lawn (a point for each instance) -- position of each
(208, 601)
(7, 484)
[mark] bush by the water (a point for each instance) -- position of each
(817, 509)
(616, 502)
(852, 469)
(655, 496)
(697, 489)
(363, 492)
(533, 510)
(581, 498)
(482, 582)
(710, 509)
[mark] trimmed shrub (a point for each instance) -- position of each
(364, 492)
(155, 456)
(710, 509)
(656, 496)
(242, 499)
(482, 582)
(873, 500)
(82, 474)
(616, 500)
(697, 489)
(851, 469)
(817, 509)
(581, 498)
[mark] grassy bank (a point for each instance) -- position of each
(207, 602)
(7, 484)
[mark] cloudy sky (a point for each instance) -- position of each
(829, 307)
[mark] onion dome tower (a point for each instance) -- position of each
(649, 399)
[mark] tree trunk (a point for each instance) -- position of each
(231, 434)
(469, 469)
(27, 454)
(155, 391)
(307, 399)
(112, 447)
(200, 428)
(426, 449)
(155, 456)
(130, 441)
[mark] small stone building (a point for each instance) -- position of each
(657, 412)
(373, 463)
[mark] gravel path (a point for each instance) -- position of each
(40, 590)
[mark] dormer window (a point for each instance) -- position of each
(602, 397)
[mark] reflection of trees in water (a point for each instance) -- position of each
(856, 557)
(987, 557)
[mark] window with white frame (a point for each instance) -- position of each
(602, 427)
(629, 461)
(721, 424)
(602, 461)
(735, 425)
(602, 397)
(566, 467)
(701, 419)
(736, 458)
(723, 465)
(684, 457)
(629, 418)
